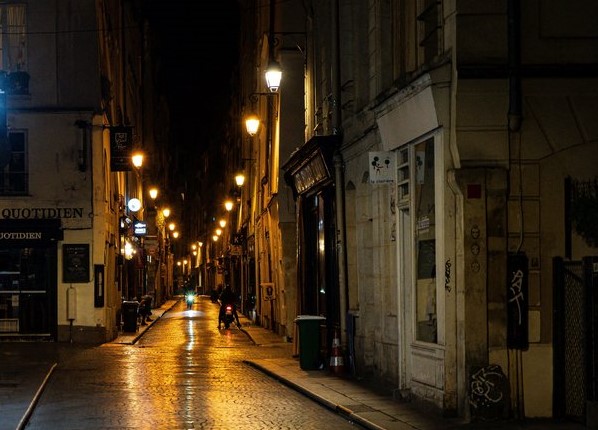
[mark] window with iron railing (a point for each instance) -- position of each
(14, 175)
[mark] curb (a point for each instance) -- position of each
(341, 410)
(36, 398)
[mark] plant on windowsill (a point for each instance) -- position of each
(584, 210)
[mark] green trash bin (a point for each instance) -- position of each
(309, 341)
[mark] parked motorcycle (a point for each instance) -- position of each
(190, 299)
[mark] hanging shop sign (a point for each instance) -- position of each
(383, 166)
(140, 228)
(121, 145)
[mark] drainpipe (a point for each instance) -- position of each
(338, 169)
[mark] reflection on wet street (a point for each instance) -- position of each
(183, 373)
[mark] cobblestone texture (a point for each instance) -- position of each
(184, 373)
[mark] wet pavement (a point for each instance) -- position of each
(28, 366)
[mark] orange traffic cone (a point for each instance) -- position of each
(337, 363)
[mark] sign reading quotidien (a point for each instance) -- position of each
(41, 213)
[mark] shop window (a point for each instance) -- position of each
(14, 176)
(425, 240)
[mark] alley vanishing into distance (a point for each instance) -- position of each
(183, 373)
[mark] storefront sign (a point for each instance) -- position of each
(41, 213)
(140, 228)
(26, 231)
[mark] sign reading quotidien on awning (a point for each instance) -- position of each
(383, 166)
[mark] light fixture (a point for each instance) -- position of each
(240, 179)
(228, 205)
(134, 205)
(166, 212)
(218, 231)
(153, 193)
(222, 223)
(175, 234)
(252, 125)
(200, 244)
(193, 247)
(171, 226)
(273, 76)
(215, 238)
(137, 159)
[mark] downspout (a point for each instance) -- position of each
(338, 169)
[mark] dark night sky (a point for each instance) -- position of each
(198, 42)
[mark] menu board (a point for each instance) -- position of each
(75, 263)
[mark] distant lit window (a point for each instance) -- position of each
(13, 40)
(14, 176)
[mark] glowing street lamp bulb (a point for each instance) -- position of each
(252, 125)
(175, 234)
(166, 212)
(193, 247)
(171, 226)
(218, 231)
(137, 159)
(222, 223)
(215, 238)
(153, 193)
(228, 205)
(200, 244)
(240, 180)
(178, 263)
(195, 253)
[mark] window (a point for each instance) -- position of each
(13, 41)
(424, 200)
(14, 178)
(429, 20)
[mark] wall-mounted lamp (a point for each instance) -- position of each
(252, 125)
(222, 223)
(153, 193)
(240, 180)
(171, 226)
(228, 205)
(175, 234)
(137, 159)
(166, 212)
(215, 238)
(273, 76)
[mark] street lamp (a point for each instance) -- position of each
(228, 205)
(137, 159)
(166, 212)
(222, 223)
(240, 179)
(252, 124)
(153, 193)
(273, 76)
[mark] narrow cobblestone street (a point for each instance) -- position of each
(184, 373)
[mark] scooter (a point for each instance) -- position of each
(190, 299)
(229, 316)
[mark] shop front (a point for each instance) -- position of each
(28, 277)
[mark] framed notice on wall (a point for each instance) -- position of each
(75, 263)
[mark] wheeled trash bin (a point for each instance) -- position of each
(129, 312)
(309, 341)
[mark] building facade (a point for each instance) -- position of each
(441, 180)
(63, 186)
